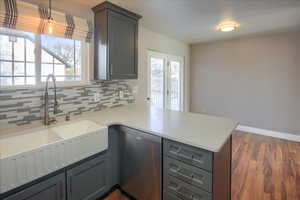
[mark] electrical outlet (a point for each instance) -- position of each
(121, 94)
(135, 89)
(96, 97)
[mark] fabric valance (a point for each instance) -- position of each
(28, 17)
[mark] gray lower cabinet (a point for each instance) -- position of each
(50, 189)
(196, 174)
(89, 180)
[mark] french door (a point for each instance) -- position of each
(166, 81)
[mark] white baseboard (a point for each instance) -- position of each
(281, 135)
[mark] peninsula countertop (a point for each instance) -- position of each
(198, 130)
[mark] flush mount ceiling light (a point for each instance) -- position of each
(228, 26)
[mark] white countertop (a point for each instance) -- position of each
(203, 131)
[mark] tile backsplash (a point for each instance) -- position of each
(23, 106)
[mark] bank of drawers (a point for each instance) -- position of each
(187, 172)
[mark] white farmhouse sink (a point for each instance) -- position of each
(30, 155)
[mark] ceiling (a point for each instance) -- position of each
(194, 21)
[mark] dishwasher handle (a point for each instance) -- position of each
(141, 135)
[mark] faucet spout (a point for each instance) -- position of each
(46, 100)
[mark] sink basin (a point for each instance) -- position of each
(76, 129)
(25, 142)
(27, 156)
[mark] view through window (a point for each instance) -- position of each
(27, 59)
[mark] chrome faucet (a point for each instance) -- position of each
(47, 119)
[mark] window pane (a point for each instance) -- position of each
(19, 49)
(46, 58)
(30, 69)
(30, 81)
(19, 69)
(5, 48)
(5, 81)
(19, 80)
(57, 61)
(30, 55)
(59, 70)
(78, 57)
(66, 55)
(5, 69)
(47, 69)
(60, 79)
(60, 47)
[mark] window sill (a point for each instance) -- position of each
(42, 85)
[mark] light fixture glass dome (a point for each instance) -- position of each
(228, 26)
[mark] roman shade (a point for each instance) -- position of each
(28, 17)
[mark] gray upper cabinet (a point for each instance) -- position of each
(50, 189)
(116, 42)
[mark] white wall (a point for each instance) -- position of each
(149, 40)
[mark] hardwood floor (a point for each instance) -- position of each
(263, 168)
(116, 195)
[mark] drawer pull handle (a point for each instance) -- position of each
(174, 187)
(192, 177)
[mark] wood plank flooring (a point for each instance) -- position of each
(264, 168)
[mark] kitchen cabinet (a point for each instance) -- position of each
(88, 180)
(50, 189)
(116, 43)
(194, 173)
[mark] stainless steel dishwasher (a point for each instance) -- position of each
(141, 162)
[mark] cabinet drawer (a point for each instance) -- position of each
(183, 190)
(188, 174)
(190, 155)
(168, 196)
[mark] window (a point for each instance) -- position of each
(27, 59)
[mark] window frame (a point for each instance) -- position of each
(85, 65)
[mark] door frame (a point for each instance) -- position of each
(167, 57)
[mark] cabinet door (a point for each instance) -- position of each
(50, 189)
(88, 180)
(122, 37)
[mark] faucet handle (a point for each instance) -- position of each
(52, 120)
(55, 108)
(68, 116)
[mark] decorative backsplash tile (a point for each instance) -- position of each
(23, 106)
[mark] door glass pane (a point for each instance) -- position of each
(174, 85)
(157, 81)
